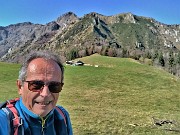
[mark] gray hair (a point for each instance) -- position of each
(39, 54)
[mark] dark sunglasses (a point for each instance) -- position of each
(37, 86)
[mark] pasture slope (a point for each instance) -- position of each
(119, 96)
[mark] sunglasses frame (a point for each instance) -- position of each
(51, 84)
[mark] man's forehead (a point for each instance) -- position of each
(42, 65)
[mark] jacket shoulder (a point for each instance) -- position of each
(4, 128)
(68, 120)
(63, 110)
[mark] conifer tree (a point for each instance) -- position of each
(161, 60)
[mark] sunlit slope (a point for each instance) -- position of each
(120, 96)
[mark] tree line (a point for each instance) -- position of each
(168, 59)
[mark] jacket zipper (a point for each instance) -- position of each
(43, 121)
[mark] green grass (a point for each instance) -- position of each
(119, 97)
(8, 77)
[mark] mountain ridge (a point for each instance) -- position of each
(71, 36)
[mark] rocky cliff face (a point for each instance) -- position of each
(93, 33)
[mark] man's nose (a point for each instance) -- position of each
(45, 91)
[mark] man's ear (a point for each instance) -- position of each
(19, 85)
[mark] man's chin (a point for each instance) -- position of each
(42, 109)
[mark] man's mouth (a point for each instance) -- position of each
(44, 103)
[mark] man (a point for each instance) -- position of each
(39, 84)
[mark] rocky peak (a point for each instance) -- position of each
(129, 18)
(93, 14)
(120, 18)
(19, 25)
(52, 26)
(67, 18)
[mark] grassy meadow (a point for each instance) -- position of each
(120, 96)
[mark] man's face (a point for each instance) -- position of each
(43, 101)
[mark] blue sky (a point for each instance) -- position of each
(44, 11)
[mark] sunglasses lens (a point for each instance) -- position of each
(35, 85)
(55, 87)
